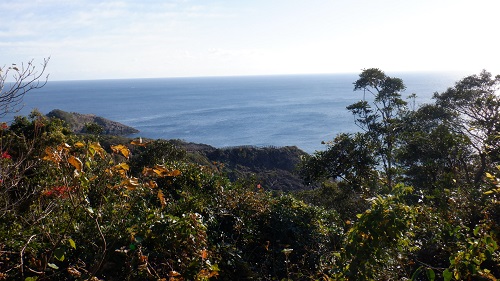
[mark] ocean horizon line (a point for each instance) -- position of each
(271, 75)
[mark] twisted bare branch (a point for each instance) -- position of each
(16, 81)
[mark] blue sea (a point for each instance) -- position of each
(279, 110)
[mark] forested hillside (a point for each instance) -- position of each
(413, 196)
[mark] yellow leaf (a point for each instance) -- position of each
(175, 173)
(162, 198)
(121, 168)
(122, 173)
(124, 166)
(130, 183)
(120, 148)
(160, 171)
(152, 184)
(51, 155)
(96, 148)
(63, 148)
(79, 145)
(75, 162)
(164, 172)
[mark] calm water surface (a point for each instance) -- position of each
(300, 110)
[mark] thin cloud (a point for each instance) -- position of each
(194, 37)
(234, 52)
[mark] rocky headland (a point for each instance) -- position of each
(79, 123)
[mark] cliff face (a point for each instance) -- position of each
(259, 158)
(77, 122)
(273, 167)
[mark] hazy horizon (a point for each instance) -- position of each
(456, 74)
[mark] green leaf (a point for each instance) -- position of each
(215, 267)
(72, 243)
(33, 278)
(489, 240)
(53, 266)
(430, 274)
(59, 254)
(447, 275)
(476, 230)
(416, 274)
(132, 247)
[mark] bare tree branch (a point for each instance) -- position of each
(16, 81)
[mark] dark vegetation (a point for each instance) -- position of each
(412, 196)
(271, 167)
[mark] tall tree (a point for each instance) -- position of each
(431, 155)
(348, 157)
(381, 119)
(475, 104)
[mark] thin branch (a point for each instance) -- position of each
(104, 247)
(26, 78)
(22, 253)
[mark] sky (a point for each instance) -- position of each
(90, 39)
